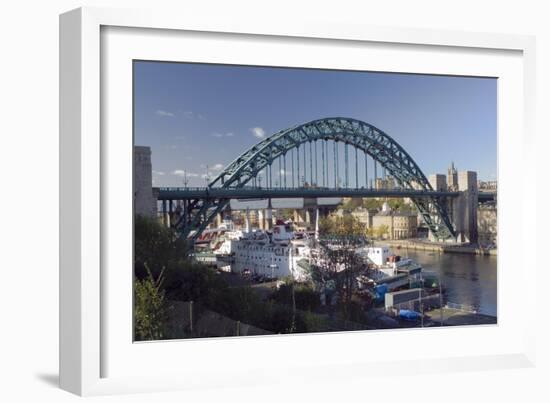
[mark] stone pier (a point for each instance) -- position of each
(463, 208)
(144, 202)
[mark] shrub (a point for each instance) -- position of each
(151, 310)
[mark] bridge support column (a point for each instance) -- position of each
(299, 216)
(317, 224)
(464, 207)
(247, 220)
(269, 216)
(165, 214)
(170, 212)
(307, 216)
(261, 219)
(185, 212)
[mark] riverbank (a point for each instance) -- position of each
(436, 247)
(447, 316)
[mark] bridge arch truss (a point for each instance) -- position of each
(358, 135)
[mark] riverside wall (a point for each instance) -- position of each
(437, 247)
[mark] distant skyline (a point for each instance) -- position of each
(198, 115)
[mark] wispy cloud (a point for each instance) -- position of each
(215, 167)
(170, 146)
(182, 172)
(160, 173)
(193, 115)
(160, 112)
(258, 132)
(220, 135)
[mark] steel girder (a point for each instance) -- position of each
(366, 137)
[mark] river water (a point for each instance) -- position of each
(469, 279)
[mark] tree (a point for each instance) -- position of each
(305, 297)
(382, 230)
(287, 214)
(326, 225)
(372, 204)
(371, 232)
(398, 204)
(151, 310)
(352, 203)
(155, 246)
(348, 225)
(342, 267)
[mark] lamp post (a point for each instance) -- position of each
(420, 307)
(273, 267)
(440, 302)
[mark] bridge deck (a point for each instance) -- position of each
(265, 193)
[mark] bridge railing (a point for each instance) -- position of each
(289, 188)
(165, 192)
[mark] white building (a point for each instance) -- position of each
(378, 254)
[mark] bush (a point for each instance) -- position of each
(151, 310)
(164, 273)
(312, 322)
(155, 246)
(306, 298)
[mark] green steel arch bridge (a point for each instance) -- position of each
(322, 158)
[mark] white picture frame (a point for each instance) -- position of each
(87, 326)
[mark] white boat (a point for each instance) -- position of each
(272, 254)
(386, 267)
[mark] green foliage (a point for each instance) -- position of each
(371, 232)
(287, 214)
(372, 204)
(352, 203)
(341, 226)
(306, 298)
(164, 273)
(244, 304)
(354, 311)
(395, 204)
(398, 204)
(155, 246)
(151, 310)
(312, 322)
(190, 281)
(326, 225)
(382, 230)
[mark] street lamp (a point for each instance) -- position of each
(420, 307)
(185, 180)
(440, 302)
(273, 267)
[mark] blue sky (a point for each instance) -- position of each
(198, 115)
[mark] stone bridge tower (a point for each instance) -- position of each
(144, 202)
(464, 207)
